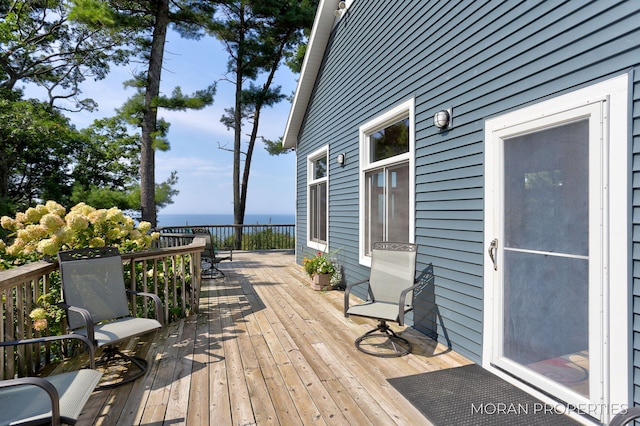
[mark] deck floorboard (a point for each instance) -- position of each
(266, 349)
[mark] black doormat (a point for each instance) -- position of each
(473, 396)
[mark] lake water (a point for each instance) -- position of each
(223, 219)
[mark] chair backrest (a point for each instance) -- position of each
(209, 249)
(393, 269)
(93, 279)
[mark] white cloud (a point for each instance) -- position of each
(200, 167)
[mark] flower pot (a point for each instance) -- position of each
(321, 282)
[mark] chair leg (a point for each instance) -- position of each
(218, 273)
(399, 345)
(210, 270)
(113, 354)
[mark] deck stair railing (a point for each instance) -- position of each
(170, 272)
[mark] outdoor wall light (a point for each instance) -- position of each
(341, 159)
(443, 119)
(341, 8)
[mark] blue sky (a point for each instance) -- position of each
(204, 170)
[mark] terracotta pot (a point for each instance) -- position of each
(321, 282)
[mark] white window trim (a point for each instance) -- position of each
(322, 152)
(403, 110)
(617, 301)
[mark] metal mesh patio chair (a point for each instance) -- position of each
(211, 257)
(95, 297)
(390, 287)
(627, 417)
(47, 400)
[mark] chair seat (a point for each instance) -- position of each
(123, 328)
(219, 259)
(31, 405)
(379, 310)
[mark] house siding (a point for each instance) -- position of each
(483, 58)
(635, 168)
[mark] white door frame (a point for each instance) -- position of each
(616, 241)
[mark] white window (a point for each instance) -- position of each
(387, 179)
(317, 205)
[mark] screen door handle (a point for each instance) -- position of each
(493, 253)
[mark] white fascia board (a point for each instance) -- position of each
(320, 33)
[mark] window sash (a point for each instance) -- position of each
(319, 168)
(387, 204)
(318, 212)
(396, 128)
(389, 141)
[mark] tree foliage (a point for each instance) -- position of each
(105, 172)
(40, 45)
(150, 20)
(59, 44)
(36, 143)
(106, 169)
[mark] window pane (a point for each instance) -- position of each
(313, 212)
(322, 212)
(398, 203)
(374, 208)
(547, 185)
(318, 212)
(387, 205)
(320, 167)
(546, 316)
(390, 141)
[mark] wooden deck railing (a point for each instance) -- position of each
(172, 272)
(254, 237)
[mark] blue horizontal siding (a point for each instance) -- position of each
(636, 234)
(483, 58)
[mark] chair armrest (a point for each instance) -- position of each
(625, 417)
(156, 301)
(44, 385)
(86, 316)
(402, 303)
(347, 292)
(88, 343)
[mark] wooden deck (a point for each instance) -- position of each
(266, 349)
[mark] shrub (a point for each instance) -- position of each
(41, 231)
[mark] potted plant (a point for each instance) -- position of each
(323, 272)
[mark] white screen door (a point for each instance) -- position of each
(547, 253)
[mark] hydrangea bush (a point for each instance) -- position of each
(41, 231)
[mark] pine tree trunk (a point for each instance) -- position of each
(238, 204)
(147, 151)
